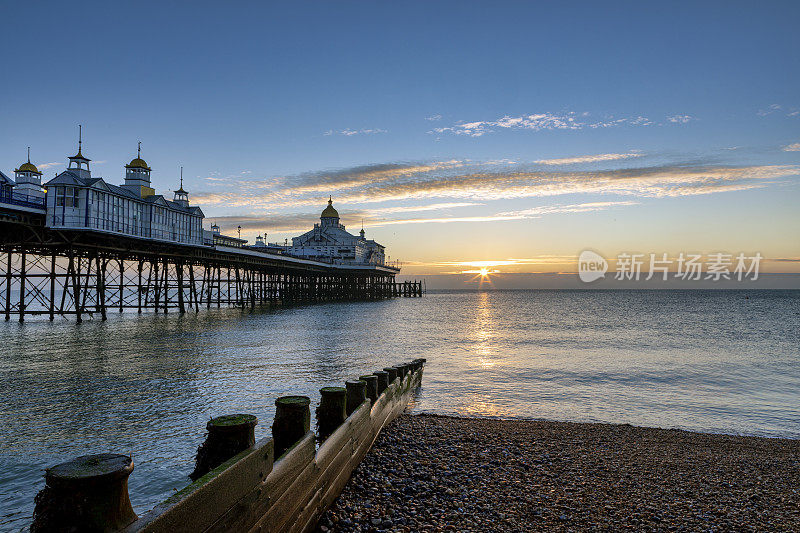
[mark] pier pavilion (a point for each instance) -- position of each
(330, 241)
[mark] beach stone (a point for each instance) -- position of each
(512, 475)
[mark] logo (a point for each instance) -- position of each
(591, 266)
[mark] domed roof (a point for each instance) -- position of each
(28, 167)
(138, 163)
(330, 211)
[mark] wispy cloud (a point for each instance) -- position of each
(789, 111)
(794, 147)
(657, 181)
(535, 212)
(459, 181)
(44, 166)
(768, 111)
(588, 158)
(569, 120)
(347, 132)
(434, 118)
(414, 208)
(680, 119)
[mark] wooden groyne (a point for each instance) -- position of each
(281, 483)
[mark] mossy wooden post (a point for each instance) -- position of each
(383, 380)
(292, 421)
(356, 394)
(227, 436)
(331, 412)
(89, 493)
(372, 387)
(392, 373)
(401, 371)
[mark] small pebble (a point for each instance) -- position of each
(435, 473)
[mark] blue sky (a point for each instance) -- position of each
(458, 131)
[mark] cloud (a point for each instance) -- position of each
(44, 166)
(467, 181)
(347, 132)
(535, 212)
(771, 109)
(588, 158)
(680, 119)
(569, 120)
(414, 208)
(657, 181)
(434, 118)
(794, 147)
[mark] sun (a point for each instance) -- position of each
(484, 272)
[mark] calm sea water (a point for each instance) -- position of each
(719, 361)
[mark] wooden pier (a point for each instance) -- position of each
(61, 272)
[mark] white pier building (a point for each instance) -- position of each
(329, 241)
(76, 200)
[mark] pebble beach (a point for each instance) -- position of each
(436, 473)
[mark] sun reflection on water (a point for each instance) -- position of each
(483, 332)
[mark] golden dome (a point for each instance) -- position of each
(330, 211)
(138, 163)
(28, 167)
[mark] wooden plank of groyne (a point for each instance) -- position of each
(308, 516)
(254, 506)
(288, 488)
(342, 437)
(199, 505)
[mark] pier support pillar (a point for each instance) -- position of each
(89, 493)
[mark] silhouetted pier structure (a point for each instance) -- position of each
(60, 272)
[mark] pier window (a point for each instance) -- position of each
(60, 196)
(71, 196)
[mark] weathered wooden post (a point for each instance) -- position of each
(227, 436)
(392, 371)
(292, 421)
(401, 371)
(89, 493)
(383, 380)
(356, 394)
(372, 387)
(331, 412)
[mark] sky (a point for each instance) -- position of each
(504, 136)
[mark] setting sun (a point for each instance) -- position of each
(484, 272)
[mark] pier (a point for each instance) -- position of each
(61, 272)
(80, 245)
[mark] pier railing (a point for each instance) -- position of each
(282, 484)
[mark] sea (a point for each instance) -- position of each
(721, 361)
